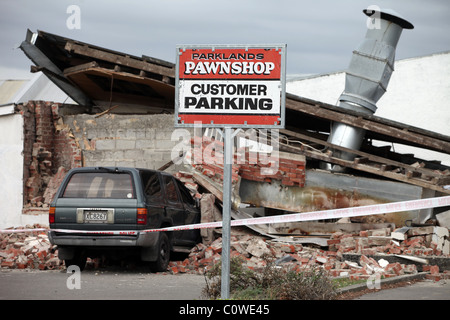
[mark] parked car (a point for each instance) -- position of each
(121, 199)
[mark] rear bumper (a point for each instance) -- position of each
(141, 239)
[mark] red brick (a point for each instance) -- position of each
(364, 233)
(287, 182)
(414, 242)
(434, 270)
(333, 241)
(410, 268)
(434, 277)
(8, 263)
(395, 268)
(331, 253)
(395, 250)
(368, 251)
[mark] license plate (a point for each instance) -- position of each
(96, 216)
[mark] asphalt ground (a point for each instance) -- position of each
(119, 285)
(421, 290)
(407, 288)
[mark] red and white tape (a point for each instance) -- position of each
(22, 230)
(325, 214)
(292, 217)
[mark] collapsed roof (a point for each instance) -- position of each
(102, 79)
(94, 76)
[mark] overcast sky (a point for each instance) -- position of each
(320, 35)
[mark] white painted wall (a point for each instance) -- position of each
(418, 94)
(11, 173)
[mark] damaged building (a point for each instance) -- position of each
(118, 110)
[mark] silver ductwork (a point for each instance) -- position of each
(367, 76)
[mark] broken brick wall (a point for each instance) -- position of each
(207, 157)
(56, 140)
(49, 152)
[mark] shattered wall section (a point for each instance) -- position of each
(55, 142)
(50, 150)
(207, 156)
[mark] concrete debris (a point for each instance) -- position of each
(414, 245)
(443, 219)
(209, 213)
(252, 250)
(28, 251)
(33, 251)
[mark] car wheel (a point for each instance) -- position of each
(162, 262)
(79, 259)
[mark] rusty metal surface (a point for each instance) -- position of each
(309, 228)
(298, 199)
(330, 191)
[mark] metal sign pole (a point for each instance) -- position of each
(215, 85)
(226, 215)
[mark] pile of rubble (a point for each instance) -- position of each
(28, 250)
(256, 251)
(374, 248)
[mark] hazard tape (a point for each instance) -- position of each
(23, 230)
(324, 214)
(292, 217)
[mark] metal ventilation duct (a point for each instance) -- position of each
(368, 76)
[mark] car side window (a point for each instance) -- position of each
(185, 195)
(152, 186)
(171, 191)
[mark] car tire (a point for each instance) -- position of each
(163, 249)
(79, 259)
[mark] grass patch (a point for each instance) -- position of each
(270, 283)
(345, 282)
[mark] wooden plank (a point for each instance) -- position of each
(119, 59)
(366, 168)
(164, 93)
(81, 67)
(415, 137)
(372, 117)
(364, 155)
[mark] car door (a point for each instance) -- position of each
(154, 199)
(174, 207)
(191, 213)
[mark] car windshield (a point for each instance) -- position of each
(100, 185)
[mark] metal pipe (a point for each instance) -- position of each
(367, 76)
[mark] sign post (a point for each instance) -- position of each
(230, 86)
(226, 214)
